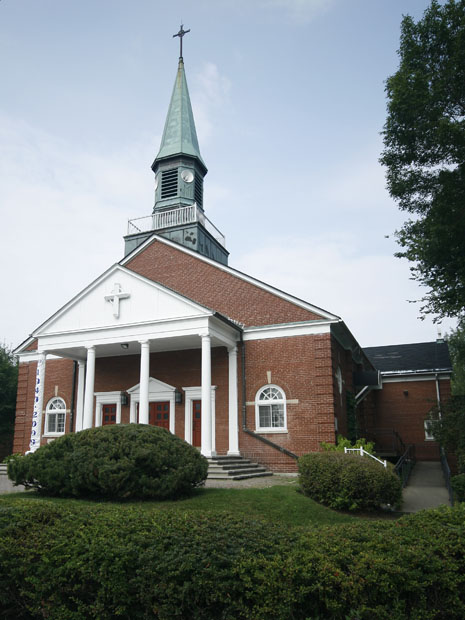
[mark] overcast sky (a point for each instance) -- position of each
(289, 103)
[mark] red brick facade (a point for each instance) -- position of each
(58, 382)
(314, 371)
(301, 366)
(403, 406)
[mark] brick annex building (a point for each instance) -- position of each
(173, 336)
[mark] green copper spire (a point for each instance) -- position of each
(178, 213)
(179, 135)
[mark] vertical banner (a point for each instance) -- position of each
(38, 405)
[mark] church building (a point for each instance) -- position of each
(173, 336)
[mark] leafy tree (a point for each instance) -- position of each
(8, 385)
(424, 153)
(456, 341)
(449, 429)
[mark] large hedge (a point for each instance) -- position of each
(113, 462)
(118, 561)
(348, 481)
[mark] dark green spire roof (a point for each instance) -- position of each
(179, 135)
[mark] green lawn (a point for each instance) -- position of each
(280, 504)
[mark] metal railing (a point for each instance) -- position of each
(447, 474)
(405, 464)
(386, 440)
(175, 217)
(362, 452)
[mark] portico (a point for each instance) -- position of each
(140, 342)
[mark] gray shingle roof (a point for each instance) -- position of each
(423, 356)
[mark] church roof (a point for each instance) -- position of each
(418, 357)
(228, 291)
(179, 135)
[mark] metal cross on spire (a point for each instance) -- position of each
(180, 34)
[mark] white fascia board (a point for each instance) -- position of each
(405, 378)
(117, 268)
(33, 356)
(238, 274)
(175, 328)
(224, 332)
(117, 329)
(21, 347)
(287, 330)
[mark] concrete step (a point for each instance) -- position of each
(234, 468)
(227, 460)
(258, 475)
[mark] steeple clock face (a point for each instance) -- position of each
(187, 176)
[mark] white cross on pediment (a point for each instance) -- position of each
(115, 297)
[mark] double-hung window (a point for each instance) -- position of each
(270, 409)
(55, 417)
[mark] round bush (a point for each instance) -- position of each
(113, 462)
(348, 482)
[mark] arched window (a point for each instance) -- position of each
(55, 416)
(270, 409)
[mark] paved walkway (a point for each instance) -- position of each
(426, 488)
(252, 483)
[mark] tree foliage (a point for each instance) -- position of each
(456, 342)
(8, 386)
(449, 429)
(424, 152)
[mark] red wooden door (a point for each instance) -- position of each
(196, 423)
(108, 414)
(159, 414)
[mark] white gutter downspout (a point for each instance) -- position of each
(438, 395)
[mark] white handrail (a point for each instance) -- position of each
(175, 217)
(361, 451)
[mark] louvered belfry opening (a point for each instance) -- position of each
(198, 190)
(169, 183)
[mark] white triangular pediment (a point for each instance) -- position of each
(155, 387)
(120, 297)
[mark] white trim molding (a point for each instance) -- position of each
(49, 411)
(286, 330)
(191, 394)
(107, 398)
(414, 377)
(158, 392)
(271, 394)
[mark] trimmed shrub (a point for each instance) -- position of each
(348, 481)
(113, 462)
(118, 561)
(458, 486)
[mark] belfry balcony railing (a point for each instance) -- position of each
(175, 217)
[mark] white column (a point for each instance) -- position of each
(88, 414)
(36, 427)
(233, 425)
(144, 382)
(206, 442)
(80, 396)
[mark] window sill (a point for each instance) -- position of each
(265, 431)
(53, 434)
